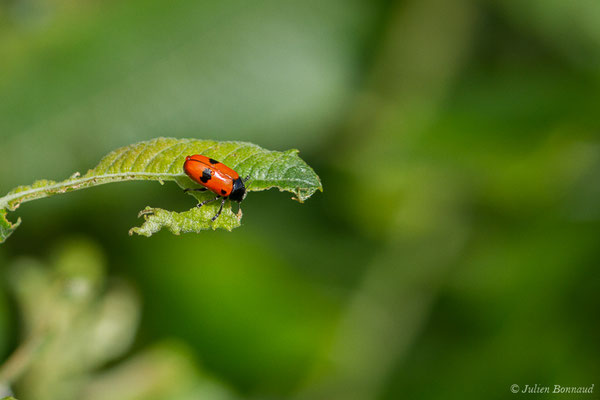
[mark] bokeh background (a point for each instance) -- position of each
(453, 253)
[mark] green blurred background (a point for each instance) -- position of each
(453, 253)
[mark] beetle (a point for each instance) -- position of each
(216, 177)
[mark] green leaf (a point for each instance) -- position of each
(6, 227)
(161, 159)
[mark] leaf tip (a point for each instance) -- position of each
(7, 227)
(146, 211)
(139, 230)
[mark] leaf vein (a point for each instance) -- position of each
(256, 151)
(139, 155)
(157, 154)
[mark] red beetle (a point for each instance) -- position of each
(216, 177)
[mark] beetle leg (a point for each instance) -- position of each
(220, 209)
(208, 201)
(195, 190)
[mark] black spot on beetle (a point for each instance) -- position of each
(223, 191)
(213, 161)
(206, 175)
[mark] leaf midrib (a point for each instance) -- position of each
(5, 201)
